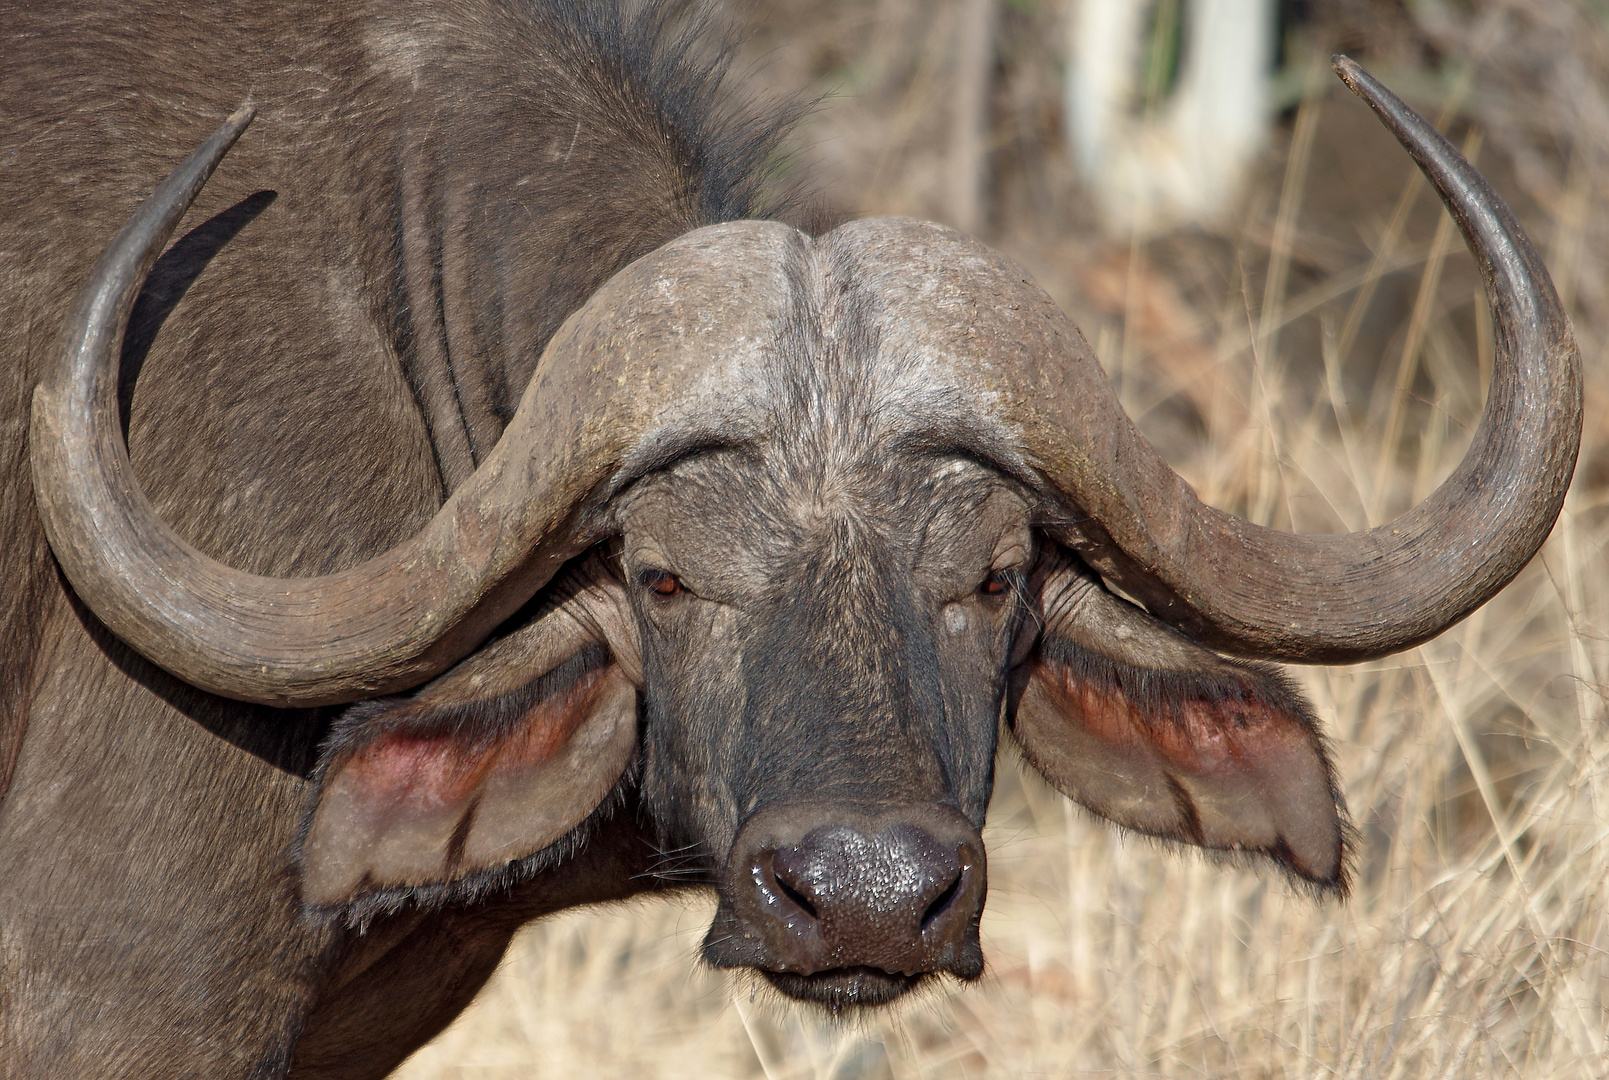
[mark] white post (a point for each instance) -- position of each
(1184, 162)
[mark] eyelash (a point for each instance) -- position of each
(996, 584)
(660, 582)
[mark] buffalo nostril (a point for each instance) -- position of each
(828, 893)
(800, 900)
(941, 902)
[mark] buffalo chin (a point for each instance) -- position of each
(841, 989)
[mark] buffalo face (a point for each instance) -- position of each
(808, 603)
(826, 647)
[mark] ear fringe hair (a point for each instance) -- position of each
(359, 914)
(1159, 697)
(480, 722)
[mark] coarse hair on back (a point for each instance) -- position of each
(679, 57)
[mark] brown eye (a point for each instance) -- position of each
(661, 581)
(994, 585)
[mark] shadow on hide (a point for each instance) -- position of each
(170, 279)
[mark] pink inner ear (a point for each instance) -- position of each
(1193, 735)
(1236, 771)
(427, 772)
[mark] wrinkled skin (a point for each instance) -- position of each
(864, 618)
(860, 613)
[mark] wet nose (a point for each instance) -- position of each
(814, 889)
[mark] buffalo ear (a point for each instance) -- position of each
(430, 796)
(1155, 733)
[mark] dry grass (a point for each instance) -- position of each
(1317, 363)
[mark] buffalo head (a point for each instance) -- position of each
(790, 526)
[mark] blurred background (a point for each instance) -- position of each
(1289, 316)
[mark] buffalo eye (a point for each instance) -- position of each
(996, 584)
(662, 582)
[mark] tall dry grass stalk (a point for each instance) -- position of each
(1326, 375)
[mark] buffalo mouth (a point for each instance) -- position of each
(846, 905)
(840, 989)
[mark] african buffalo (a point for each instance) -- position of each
(479, 392)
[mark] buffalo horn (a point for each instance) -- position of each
(384, 625)
(1261, 592)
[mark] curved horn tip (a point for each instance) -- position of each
(1357, 80)
(233, 126)
(1366, 86)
